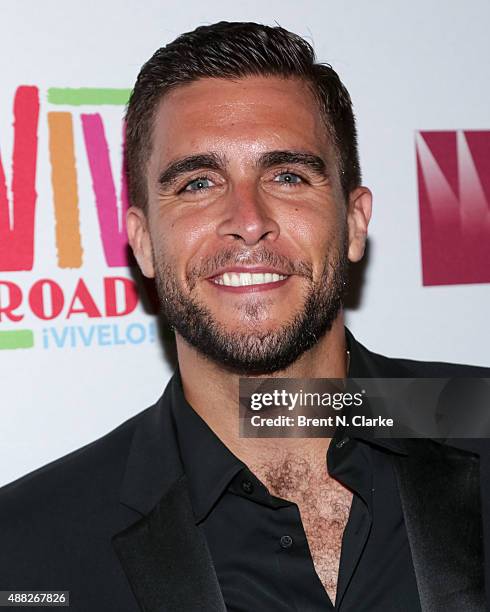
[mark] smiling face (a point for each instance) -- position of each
(247, 231)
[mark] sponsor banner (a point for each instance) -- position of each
(66, 271)
(453, 169)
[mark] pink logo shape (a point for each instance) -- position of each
(111, 217)
(453, 170)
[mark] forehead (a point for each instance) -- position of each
(248, 115)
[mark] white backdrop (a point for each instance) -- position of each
(412, 66)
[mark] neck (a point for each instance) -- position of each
(213, 393)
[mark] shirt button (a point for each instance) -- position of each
(342, 442)
(286, 541)
(247, 486)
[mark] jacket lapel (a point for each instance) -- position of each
(439, 488)
(440, 493)
(163, 553)
(166, 559)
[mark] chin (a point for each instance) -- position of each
(252, 327)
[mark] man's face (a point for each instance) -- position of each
(246, 231)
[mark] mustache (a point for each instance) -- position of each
(230, 257)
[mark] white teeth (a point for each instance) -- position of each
(233, 279)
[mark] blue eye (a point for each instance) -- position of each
(199, 184)
(288, 178)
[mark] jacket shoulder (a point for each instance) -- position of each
(394, 367)
(437, 369)
(56, 523)
(92, 472)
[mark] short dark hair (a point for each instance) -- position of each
(233, 50)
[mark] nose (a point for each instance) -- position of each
(248, 217)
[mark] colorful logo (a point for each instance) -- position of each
(26, 298)
(453, 171)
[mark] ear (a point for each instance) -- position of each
(139, 239)
(358, 216)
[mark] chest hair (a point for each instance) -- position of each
(324, 506)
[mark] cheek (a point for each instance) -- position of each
(182, 239)
(314, 230)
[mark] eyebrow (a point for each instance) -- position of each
(213, 161)
(210, 161)
(284, 158)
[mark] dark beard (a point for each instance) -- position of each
(248, 353)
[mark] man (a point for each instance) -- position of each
(247, 206)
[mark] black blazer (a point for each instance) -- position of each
(113, 524)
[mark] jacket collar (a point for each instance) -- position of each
(153, 464)
(365, 364)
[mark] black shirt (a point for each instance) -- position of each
(257, 541)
